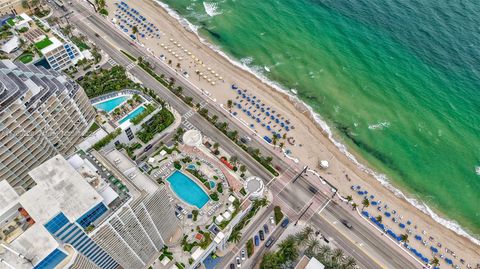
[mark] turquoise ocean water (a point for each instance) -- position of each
(398, 81)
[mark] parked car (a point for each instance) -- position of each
(312, 189)
(239, 263)
(262, 235)
(272, 221)
(265, 228)
(257, 240)
(232, 266)
(269, 242)
(285, 223)
(347, 224)
(243, 254)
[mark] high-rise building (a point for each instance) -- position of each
(78, 215)
(42, 113)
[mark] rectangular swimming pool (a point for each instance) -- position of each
(187, 190)
(111, 104)
(132, 114)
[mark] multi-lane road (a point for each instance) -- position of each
(362, 242)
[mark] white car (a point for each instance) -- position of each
(243, 254)
(272, 221)
(238, 262)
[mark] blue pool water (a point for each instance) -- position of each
(212, 184)
(192, 166)
(111, 104)
(132, 114)
(187, 190)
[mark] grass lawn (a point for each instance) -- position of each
(43, 44)
(11, 22)
(25, 58)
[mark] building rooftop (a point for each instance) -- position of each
(59, 188)
(31, 240)
(48, 44)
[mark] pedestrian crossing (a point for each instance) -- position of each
(130, 66)
(112, 62)
(188, 125)
(202, 104)
(188, 114)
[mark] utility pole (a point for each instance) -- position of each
(300, 174)
(303, 213)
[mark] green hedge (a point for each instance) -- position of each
(107, 139)
(250, 247)
(278, 214)
(156, 124)
(107, 80)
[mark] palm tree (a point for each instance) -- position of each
(260, 202)
(349, 198)
(26, 5)
(404, 238)
(435, 262)
(288, 250)
(354, 206)
(229, 104)
(349, 263)
(337, 256)
(274, 139)
(323, 253)
(169, 62)
(379, 218)
(235, 236)
(281, 145)
(303, 236)
(313, 245)
(214, 119)
(135, 31)
(233, 159)
(270, 261)
(216, 145)
(365, 203)
(178, 65)
(243, 168)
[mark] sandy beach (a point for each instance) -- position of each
(303, 139)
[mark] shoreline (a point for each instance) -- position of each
(301, 107)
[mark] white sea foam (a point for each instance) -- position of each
(211, 9)
(452, 225)
(477, 170)
(381, 125)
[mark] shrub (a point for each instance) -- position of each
(195, 214)
(107, 139)
(214, 196)
(157, 123)
(278, 214)
(250, 247)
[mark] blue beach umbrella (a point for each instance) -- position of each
(268, 127)
(387, 214)
(434, 249)
(401, 225)
(267, 113)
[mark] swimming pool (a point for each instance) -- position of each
(132, 114)
(187, 190)
(111, 104)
